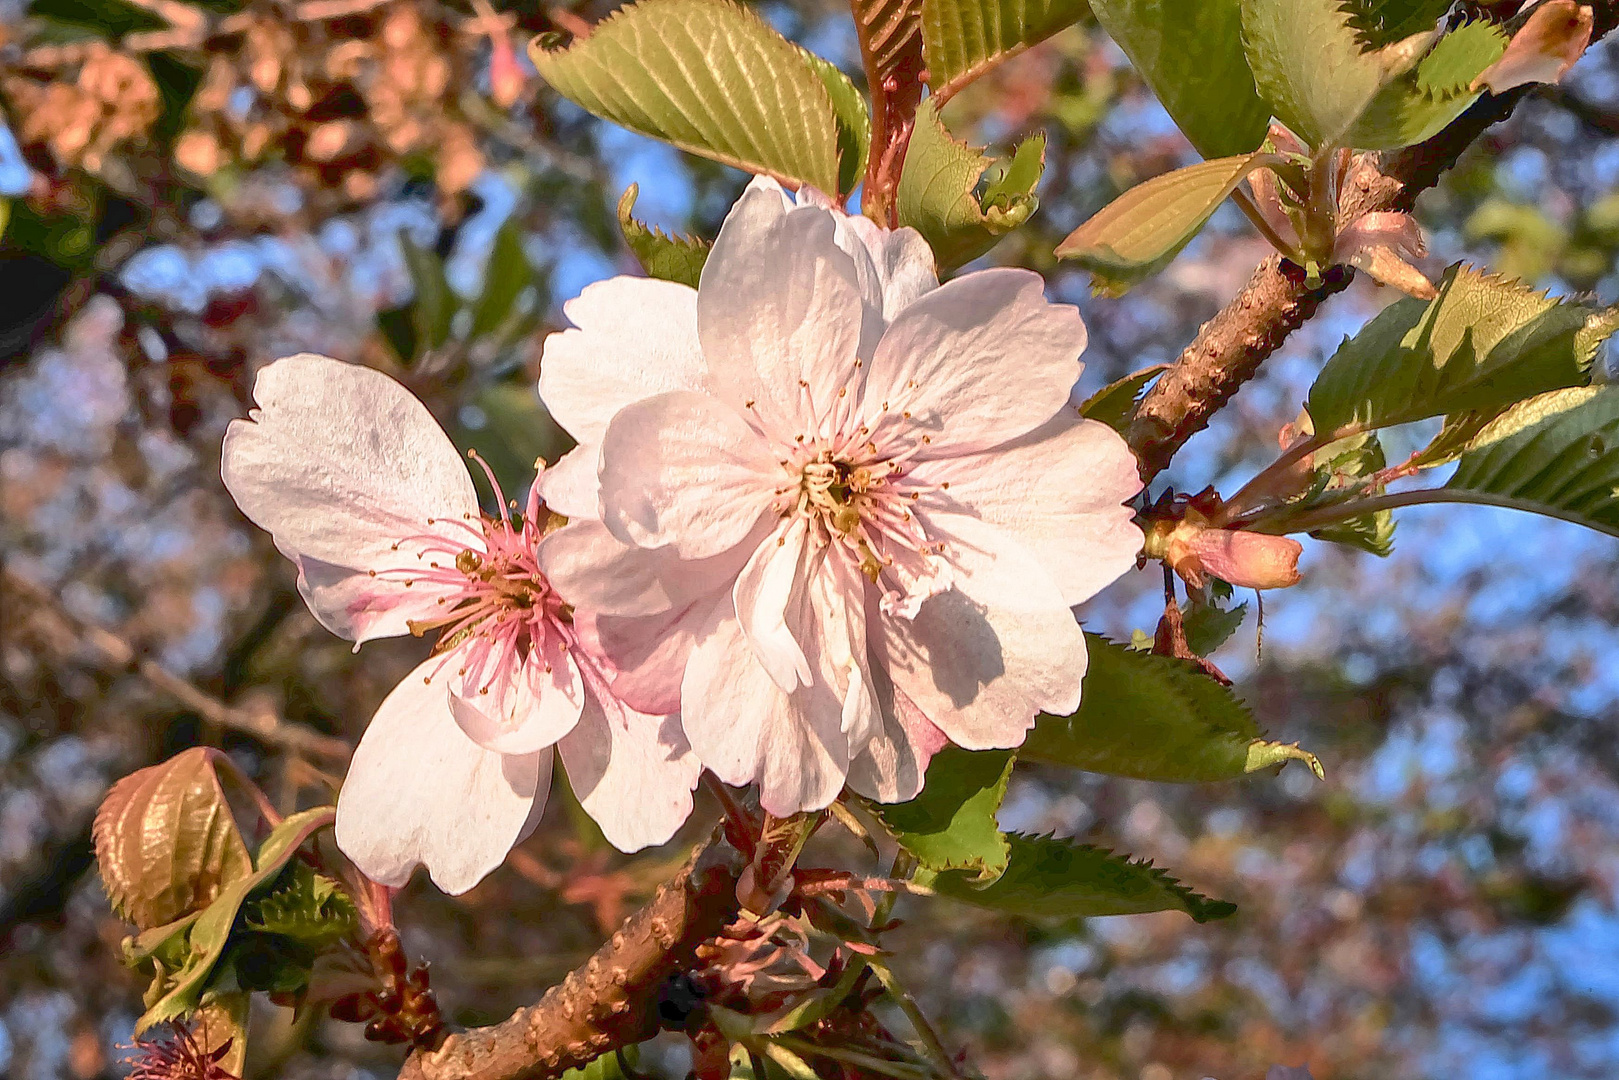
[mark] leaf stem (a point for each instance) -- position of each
(913, 1013)
(1309, 522)
(1257, 220)
(901, 1069)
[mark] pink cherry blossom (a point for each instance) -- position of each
(844, 511)
(362, 489)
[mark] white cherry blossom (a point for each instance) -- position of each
(361, 488)
(844, 511)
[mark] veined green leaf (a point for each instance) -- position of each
(166, 843)
(1338, 466)
(854, 121)
(1154, 717)
(951, 825)
(672, 258)
(1138, 233)
(1555, 454)
(178, 989)
(963, 39)
(1190, 52)
(1383, 22)
(708, 76)
(1208, 625)
(1312, 67)
(1480, 345)
(1420, 103)
(1115, 403)
(937, 193)
(1047, 877)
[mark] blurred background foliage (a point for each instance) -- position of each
(191, 190)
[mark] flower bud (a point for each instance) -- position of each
(1245, 559)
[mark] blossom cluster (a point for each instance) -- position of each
(825, 517)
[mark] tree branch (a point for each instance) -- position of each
(1230, 347)
(610, 1001)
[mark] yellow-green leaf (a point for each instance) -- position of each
(708, 76)
(963, 39)
(670, 257)
(951, 824)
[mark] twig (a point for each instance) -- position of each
(913, 1013)
(118, 652)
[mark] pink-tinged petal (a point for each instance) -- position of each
(685, 471)
(633, 773)
(779, 313)
(1245, 559)
(355, 605)
(339, 462)
(904, 263)
(772, 581)
(892, 763)
(1060, 490)
(831, 621)
(982, 660)
(1556, 35)
(645, 658)
(420, 792)
(746, 729)
(524, 707)
(570, 486)
(597, 573)
(634, 338)
(978, 361)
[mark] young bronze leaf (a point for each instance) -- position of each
(1554, 454)
(963, 39)
(1154, 717)
(708, 76)
(166, 843)
(1480, 345)
(1048, 877)
(1190, 52)
(1138, 233)
(938, 195)
(951, 825)
(672, 258)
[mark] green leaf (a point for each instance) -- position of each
(434, 304)
(1137, 234)
(506, 274)
(1312, 67)
(708, 76)
(1190, 52)
(304, 906)
(1480, 345)
(951, 825)
(1555, 454)
(1420, 103)
(1208, 625)
(1048, 877)
(1338, 468)
(178, 989)
(605, 1067)
(166, 842)
(937, 193)
(672, 258)
(963, 39)
(1115, 404)
(1154, 717)
(854, 121)
(1383, 22)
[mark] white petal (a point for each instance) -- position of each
(832, 624)
(779, 312)
(420, 792)
(893, 762)
(633, 773)
(594, 571)
(635, 337)
(978, 361)
(1060, 490)
(983, 659)
(339, 461)
(902, 259)
(355, 605)
(528, 710)
(764, 590)
(570, 487)
(744, 728)
(684, 470)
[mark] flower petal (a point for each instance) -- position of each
(779, 312)
(420, 792)
(904, 263)
(633, 773)
(683, 470)
(978, 361)
(983, 659)
(745, 728)
(893, 762)
(528, 706)
(764, 589)
(1060, 490)
(634, 337)
(570, 487)
(354, 604)
(339, 462)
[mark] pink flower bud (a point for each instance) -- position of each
(1245, 559)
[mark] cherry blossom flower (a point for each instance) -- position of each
(363, 490)
(844, 510)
